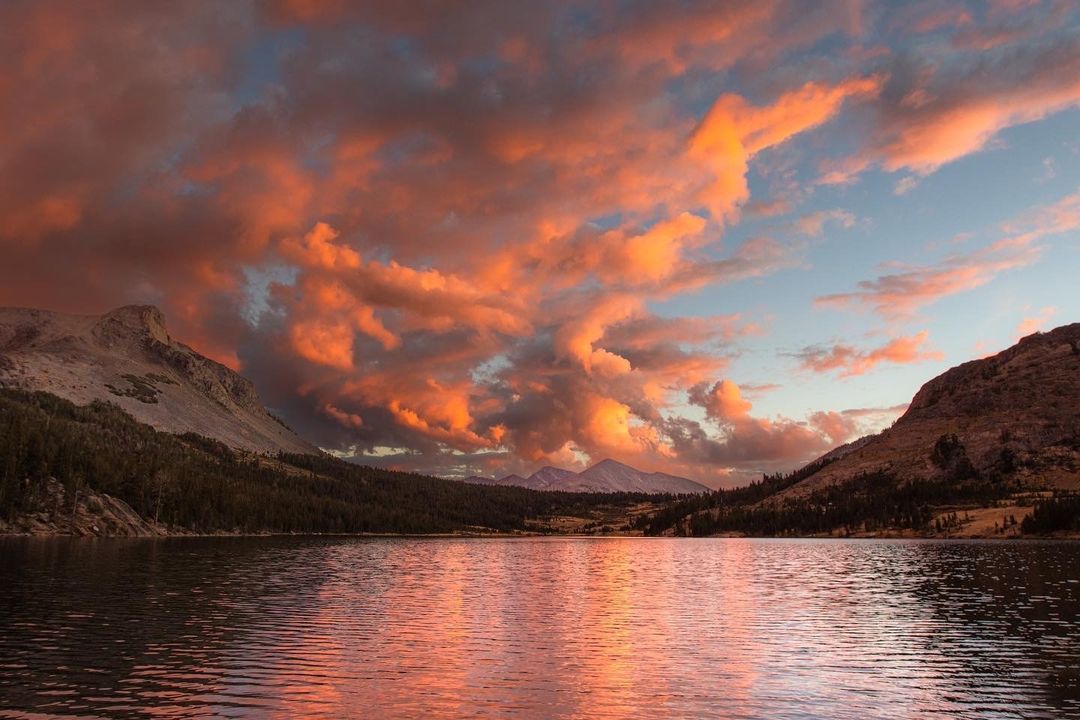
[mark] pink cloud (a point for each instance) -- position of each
(813, 224)
(849, 360)
(900, 294)
(744, 438)
(943, 112)
(734, 131)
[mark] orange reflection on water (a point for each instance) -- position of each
(609, 628)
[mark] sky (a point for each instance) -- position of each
(710, 239)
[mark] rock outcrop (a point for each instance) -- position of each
(82, 512)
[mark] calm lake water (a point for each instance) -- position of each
(347, 627)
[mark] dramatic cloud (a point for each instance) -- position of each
(480, 238)
(723, 402)
(745, 441)
(733, 132)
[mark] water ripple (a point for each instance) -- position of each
(333, 627)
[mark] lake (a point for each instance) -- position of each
(544, 627)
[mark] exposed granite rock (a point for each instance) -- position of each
(56, 510)
(127, 357)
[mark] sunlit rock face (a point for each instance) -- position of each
(128, 358)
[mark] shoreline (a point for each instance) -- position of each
(534, 535)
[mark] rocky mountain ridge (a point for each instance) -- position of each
(127, 357)
(1014, 415)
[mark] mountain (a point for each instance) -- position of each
(841, 450)
(1015, 415)
(94, 470)
(128, 358)
(548, 475)
(606, 476)
(612, 476)
(990, 448)
(531, 482)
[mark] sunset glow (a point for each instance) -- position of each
(712, 240)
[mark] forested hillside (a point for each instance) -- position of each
(872, 503)
(197, 484)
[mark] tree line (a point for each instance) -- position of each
(202, 485)
(870, 502)
(1059, 513)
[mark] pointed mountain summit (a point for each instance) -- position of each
(127, 357)
(548, 475)
(529, 482)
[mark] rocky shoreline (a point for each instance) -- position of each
(82, 512)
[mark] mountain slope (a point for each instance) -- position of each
(94, 470)
(548, 475)
(975, 455)
(1015, 415)
(127, 357)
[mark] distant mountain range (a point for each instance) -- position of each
(604, 476)
(126, 357)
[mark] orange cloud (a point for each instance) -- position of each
(605, 423)
(577, 338)
(734, 131)
(838, 427)
(853, 361)
(654, 254)
(748, 439)
(325, 343)
(336, 283)
(435, 410)
(724, 402)
(350, 420)
(937, 116)
(900, 294)
(318, 249)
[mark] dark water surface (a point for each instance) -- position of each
(346, 627)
